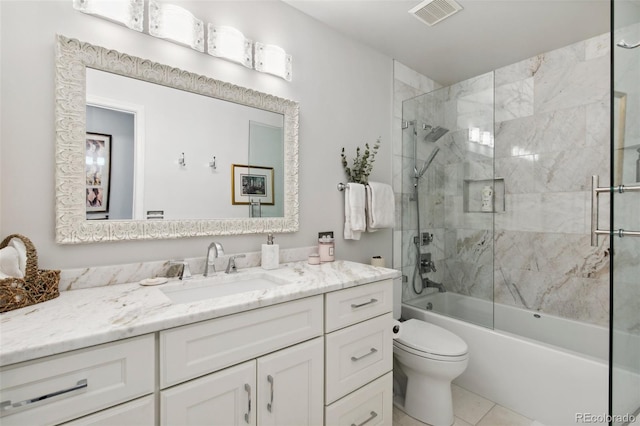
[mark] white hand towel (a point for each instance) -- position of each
(381, 206)
(18, 244)
(9, 263)
(354, 211)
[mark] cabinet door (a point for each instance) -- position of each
(290, 386)
(224, 398)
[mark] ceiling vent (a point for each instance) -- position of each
(433, 11)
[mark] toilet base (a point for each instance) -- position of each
(429, 401)
(427, 391)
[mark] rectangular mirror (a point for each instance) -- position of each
(145, 150)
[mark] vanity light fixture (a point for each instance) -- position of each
(129, 13)
(229, 43)
(176, 24)
(272, 59)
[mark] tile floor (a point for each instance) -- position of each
(470, 409)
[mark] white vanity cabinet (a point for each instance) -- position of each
(359, 355)
(63, 387)
(282, 388)
(260, 367)
(319, 360)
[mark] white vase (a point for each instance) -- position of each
(487, 199)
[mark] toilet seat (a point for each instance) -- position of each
(430, 341)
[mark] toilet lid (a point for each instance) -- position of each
(430, 338)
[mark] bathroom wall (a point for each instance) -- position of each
(551, 133)
(344, 89)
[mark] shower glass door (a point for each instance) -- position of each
(449, 197)
(625, 214)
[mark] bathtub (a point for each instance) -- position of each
(552, 381)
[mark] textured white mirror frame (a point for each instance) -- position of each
(72, 59)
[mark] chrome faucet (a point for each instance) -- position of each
(217, 252)
(231, 267)
(426, 282)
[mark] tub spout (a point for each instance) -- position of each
(426, 283)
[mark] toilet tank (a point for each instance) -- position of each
(397, 297)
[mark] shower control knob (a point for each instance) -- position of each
(426, 264)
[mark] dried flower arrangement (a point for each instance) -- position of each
(362, 163)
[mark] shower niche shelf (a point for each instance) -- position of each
(472, 195)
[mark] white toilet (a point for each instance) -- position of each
(430, 357)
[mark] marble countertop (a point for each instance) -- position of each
(87, 317)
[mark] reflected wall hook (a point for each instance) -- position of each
(181, 160)
(212, 164)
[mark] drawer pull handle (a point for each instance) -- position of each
(7, 405)
(371, 352)
(372, 416)
(354, 306)
(270, 404)
(248, 414)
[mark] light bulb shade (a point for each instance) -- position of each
(176, 24)
(273, 60)
(229, 43)
(129, 13)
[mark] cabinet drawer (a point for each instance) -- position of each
(358, 354)
(77, 383)
(197, 349)
(346, 307)
(371, 405)
(140, 412)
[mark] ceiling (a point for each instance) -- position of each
(484, 36)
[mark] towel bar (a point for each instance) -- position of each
(597, 190)
(342, 186)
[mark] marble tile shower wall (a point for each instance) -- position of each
(551, 134)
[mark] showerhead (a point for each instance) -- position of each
(435, 133)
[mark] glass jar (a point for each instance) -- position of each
(326, 247)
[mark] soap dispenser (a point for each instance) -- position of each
(270, 254)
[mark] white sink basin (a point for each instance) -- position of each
(217, 286)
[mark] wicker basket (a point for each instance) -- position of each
(38, 285)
